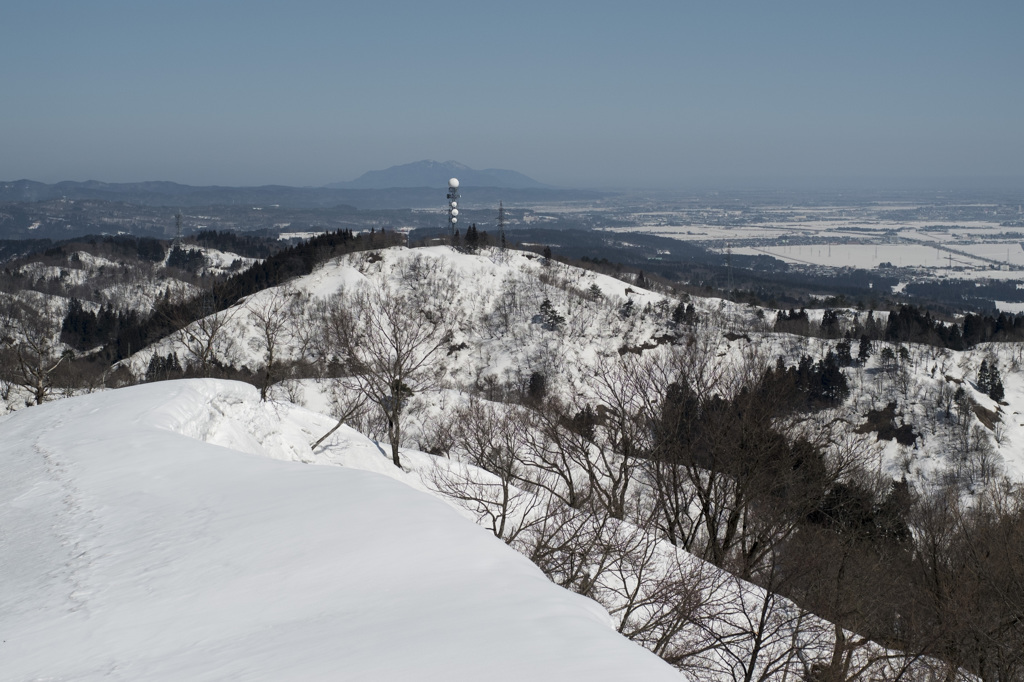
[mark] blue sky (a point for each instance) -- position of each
(584, 94)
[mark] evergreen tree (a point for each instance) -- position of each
(550, 318)
(150, 250)
(843, 353)
(864, 348)
(984, 378)
(537, 386)
(871, 326)
(678, 313)
(834, 388)
(472, 239)
(186, 259)
(996, 392)
(830, 324)
(995, 383)
(974, 330)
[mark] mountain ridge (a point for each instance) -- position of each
(428, 173)
(165, 193)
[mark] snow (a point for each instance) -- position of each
(92, 262)
(1014, 307)
(68, 275)
(477, 286)
(135, 550)
(184, 508)
(221, 261)
(867, 256)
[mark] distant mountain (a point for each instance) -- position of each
(486, 187)
(436, 174)
(156, 193)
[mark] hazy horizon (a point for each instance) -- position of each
(697, 185)
(579, 95)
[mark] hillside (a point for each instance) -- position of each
(499, 340)
(150, 554)
(741, 489)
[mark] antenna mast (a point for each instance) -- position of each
(453, 205)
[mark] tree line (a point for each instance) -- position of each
(908, 324)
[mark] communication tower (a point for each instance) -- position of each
(453, 204)
(501, 224)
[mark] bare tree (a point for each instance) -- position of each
(206, 336)
(31, 343)
(348, 406)
(971, 579)
(489, 480)
(556, 453)
(629, 390)
(389, 345)
(273, 314)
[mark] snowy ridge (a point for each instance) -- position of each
(148, 554)
(152, 532)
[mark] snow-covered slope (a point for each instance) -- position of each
(498, 343)
(133, 550)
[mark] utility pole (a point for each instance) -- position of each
(728, 265)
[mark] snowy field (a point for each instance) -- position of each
(978, 249)
(965, 261)
(863, 255)
(971, 250)
(1007, 252)
(812, 228)
(134, 550)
